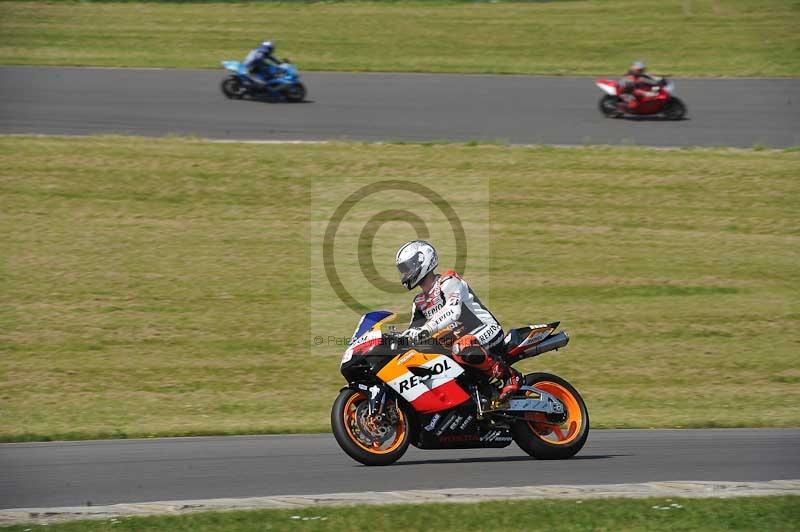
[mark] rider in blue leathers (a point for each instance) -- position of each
(261, 64)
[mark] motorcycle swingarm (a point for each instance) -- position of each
(546, 404)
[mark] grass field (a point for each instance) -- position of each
(709, 515)
(162, 286)
(686, 38)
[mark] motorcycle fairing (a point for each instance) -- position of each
(288, 73)
(459, 428)
(235, 66)
(425, 380)
(608, 86)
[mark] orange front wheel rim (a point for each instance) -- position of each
(558, 433)
(372, 435)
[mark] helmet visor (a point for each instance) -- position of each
(409, 268)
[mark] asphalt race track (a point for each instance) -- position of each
(114, 471)
(381, 107)
(390, 107)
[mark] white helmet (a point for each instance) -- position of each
(415, 260)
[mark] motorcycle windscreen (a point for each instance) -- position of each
(433, 388)
(369, 321)
(367, 334)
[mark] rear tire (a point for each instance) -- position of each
(554, 441)
(676, 109)
(295, 92)
(609, 106)
(232, 88)
(349, 424)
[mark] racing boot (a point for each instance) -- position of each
(512, 379)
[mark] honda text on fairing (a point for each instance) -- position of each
(285, 83)
(660, 100)
(400, 394)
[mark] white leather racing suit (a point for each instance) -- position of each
(451, 304)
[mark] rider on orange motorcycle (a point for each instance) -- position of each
(448, 303)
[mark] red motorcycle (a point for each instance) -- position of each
(660, 100)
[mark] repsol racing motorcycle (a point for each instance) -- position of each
(285, 83)
(400, 395)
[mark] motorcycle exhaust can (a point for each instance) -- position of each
(557, 341)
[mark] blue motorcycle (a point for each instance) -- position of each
(284, 82)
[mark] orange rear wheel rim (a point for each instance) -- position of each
(559, 433)
(351, 412)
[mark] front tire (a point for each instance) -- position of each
(371, 442)
(676, 109)
(609, 106)
(296, 92)
(554, 439)
(232, 88)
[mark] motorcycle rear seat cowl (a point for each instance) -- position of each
(520, 334)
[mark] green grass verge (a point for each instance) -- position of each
(708, 515)
(162, 287)
(688, 38)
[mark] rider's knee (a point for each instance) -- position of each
(467, 350)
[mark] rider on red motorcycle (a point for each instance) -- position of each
(636, 84)
(447, 302)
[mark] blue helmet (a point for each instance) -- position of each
(267, 47)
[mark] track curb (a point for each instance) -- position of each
(684, 489)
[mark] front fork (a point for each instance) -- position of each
(378, 400)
